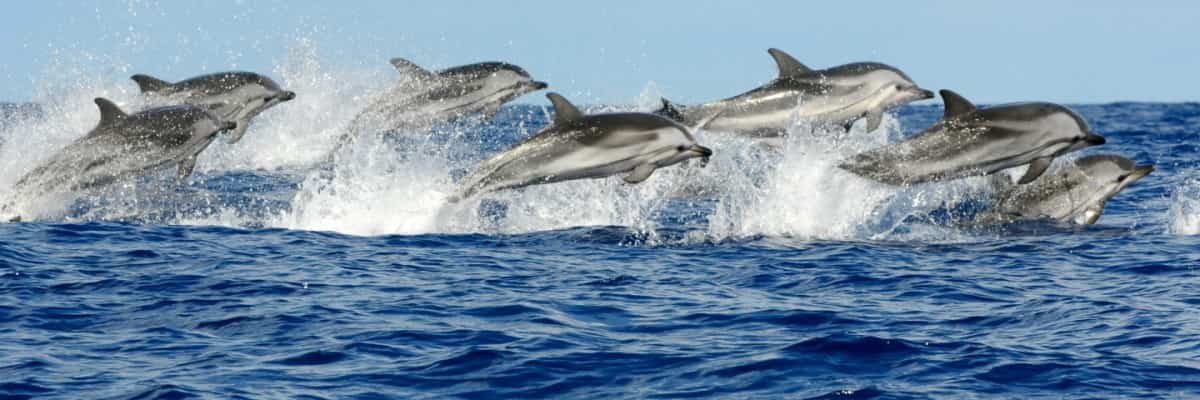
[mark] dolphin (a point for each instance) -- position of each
(426, 97)
(578, 146)
(1075, 194)
(838, 95)
(123, 146)
(232, 96)
(971, 141)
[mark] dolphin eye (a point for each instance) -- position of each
(899, 87)
(681, 148)
(1122, 177)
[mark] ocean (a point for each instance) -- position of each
(769, 273)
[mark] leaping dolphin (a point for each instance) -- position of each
(578, 146)
(123, 146)
(231, 96)
(971, 141)
(425, 97)
(1076, 194)
(838, 95)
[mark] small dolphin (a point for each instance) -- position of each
(838, 95)
(231, 96)
(426, 97)
(971, 141)
(578, 146)
(122, 146)
(1076, 194)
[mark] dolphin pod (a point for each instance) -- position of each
(967, 141)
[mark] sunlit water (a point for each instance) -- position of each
(767, 273)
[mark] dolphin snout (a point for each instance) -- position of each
(1094, 139)
(538, 85)
(287, 95)
(701, 150)
(923, 94)
(1140, 171)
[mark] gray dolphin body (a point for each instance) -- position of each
(425, 97)
(838, 95)
(125, 145)
(578, 146)
(1077, 194)
(970, 141)
(231, 96)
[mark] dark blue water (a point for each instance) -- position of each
(145, 308)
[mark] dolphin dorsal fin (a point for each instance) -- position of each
(109, 112)
(955, 104)
(406, 67)
(564, 111)
(788, 65)
(670, 110)
(150, 84)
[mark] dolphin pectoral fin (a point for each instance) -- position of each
(1091, 214)
(186, 166)
(874, 118)
(1036, 169)
(640, 173)
(240, 130)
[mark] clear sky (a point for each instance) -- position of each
(607, 51)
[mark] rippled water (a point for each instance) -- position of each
(767, 274)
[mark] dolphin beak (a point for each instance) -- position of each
(923, 94)
(701, 150)
(538, 85)
(1139, 172)
(1094, 139)
(287, 95)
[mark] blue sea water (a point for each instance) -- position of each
(766, 274)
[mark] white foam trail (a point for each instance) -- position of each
(1183, 215)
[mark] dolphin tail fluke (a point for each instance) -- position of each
(1036, 169)
(150, 84)
(670, 110)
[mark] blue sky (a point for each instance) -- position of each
(607, 51)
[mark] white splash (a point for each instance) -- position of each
(1183, 215)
